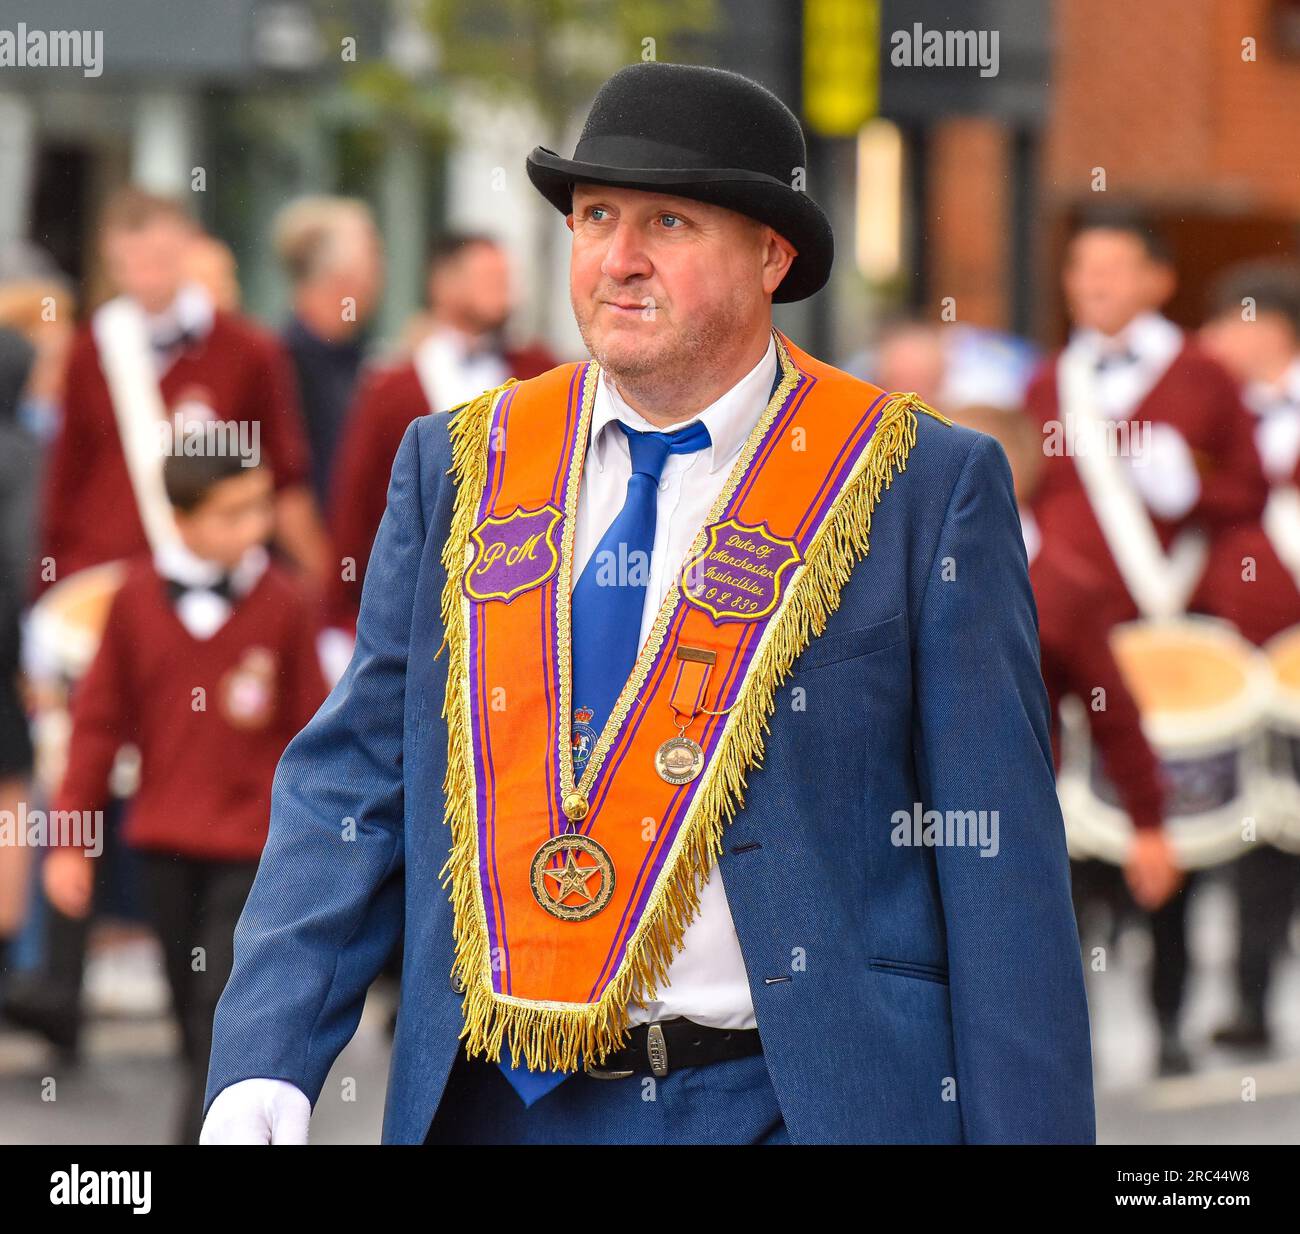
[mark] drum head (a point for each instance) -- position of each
(1202, 692)
(67, 622)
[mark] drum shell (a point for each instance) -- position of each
(1282, 808)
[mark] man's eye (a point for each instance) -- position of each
(593, 211)
(672, 218)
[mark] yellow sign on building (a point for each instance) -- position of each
(841, 65)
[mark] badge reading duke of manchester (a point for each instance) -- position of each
(736, 576)
(552, 948)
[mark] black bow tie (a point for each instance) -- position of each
(222, 587)
(181, 339)
(1116, 359)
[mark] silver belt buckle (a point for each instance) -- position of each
(656, 1050)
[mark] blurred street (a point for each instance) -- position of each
(125, 1091)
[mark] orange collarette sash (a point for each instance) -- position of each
(571, 900)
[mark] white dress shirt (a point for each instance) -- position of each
(191, 311)
(1127, 367)
(706, 981)
(1140, 352)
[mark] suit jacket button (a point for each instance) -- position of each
(457, 985)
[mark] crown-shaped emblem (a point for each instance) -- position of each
(582, 715)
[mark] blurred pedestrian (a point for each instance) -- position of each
(1074, 626)
(331, 251)
(1192, 461)
(1254, 329)
(43, 310)
(460, 349)
(1166, 513)
(17, 456)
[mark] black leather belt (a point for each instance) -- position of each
(666, 1045)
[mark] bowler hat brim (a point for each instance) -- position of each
(785, 209)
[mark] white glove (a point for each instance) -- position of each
(1164, 473)
(257, 1111)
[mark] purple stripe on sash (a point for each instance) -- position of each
(849, 453)
(485, 806)
(496, 464)
(657, 854)
(793, 401)
(488, 873)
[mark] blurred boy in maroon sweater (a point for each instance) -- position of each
(208, 665)
(1198, 470)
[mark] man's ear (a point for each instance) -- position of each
(778, 257)
(568, 221)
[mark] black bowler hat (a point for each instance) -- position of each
(701, 133)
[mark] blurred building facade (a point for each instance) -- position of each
(946, 185)
(236, 107)
(1188, 108)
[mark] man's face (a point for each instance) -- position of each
(660, 282)
(359, 265)
(1110, 279)
(1249, 349)
(148, 263)
(237, 513)
(474, 288)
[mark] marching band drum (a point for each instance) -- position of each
(1282, 814)
(1204, 695)
(64, 629)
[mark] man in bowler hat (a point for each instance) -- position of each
(882, 947)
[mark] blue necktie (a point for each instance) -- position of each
(608, 603)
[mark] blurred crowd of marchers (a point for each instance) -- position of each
(1156, 472)
(189, 499)
(166, 629)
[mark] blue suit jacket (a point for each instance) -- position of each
(903, 992)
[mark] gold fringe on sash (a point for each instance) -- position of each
(561, 1036)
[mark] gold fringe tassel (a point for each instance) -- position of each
(561, 1037)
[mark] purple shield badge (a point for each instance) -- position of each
(738, 574)
(513, 553)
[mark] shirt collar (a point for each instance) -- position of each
(464, 346)
(1282, 394)
(175, 561)
(729, 419)
(1150, 336)
(191, 311)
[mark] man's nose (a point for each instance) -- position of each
(625, 255)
